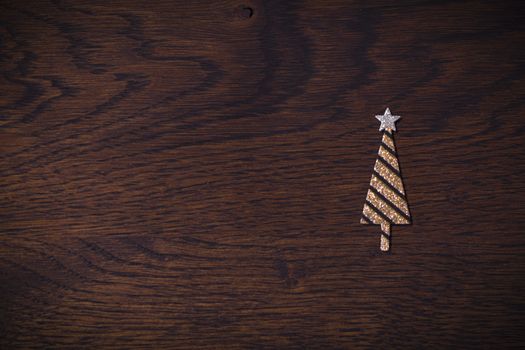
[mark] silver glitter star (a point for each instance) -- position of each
(388, 121)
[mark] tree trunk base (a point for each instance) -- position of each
(385, 237)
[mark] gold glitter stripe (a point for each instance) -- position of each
(365, 220)
(388, 175)
(385, 208)
(389, 194)
(389, 142)
(388, 157)
(388, 185)
(372, 215)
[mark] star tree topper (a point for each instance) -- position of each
(388, 121)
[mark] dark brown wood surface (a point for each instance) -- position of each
(191, 174)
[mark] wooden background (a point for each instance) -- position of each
(191, 174)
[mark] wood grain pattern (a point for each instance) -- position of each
(191, 174)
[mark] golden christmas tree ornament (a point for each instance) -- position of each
(386, 202)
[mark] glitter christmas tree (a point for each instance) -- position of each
(386, 203)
